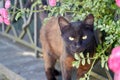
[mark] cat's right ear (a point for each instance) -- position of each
(89, 20)
(63, 23)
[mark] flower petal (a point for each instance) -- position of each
(114, 60)
(6, 21)
(1, 19)
(7, 4)
(52, 2)
(118, 3)
(4, 12)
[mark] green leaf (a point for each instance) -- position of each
(88, 55)
(19, 14)
(88, 61)
(83, 62)
(86, 75)
(102, 62)
(106, 66)
(81, 55)
(28, 10)
(76, 64)
(35, 3)
(77, 56)
(82, 78)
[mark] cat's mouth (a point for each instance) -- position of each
(81, 49)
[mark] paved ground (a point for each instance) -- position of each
(21, 60)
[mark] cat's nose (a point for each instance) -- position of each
(80, 48)
(77, 46)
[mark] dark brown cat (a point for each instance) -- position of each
(60, 39)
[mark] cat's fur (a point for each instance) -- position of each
(60, 39)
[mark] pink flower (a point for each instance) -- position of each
(118, 3)
(1, 19)
(4, 16)
(7, 4)
(6, 21)
(4, 13)
(52, 2)
(114, 60)
(116, 76)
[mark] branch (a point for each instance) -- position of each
(29, 19)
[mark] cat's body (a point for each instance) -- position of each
(61, 39)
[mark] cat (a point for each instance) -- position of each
(61, 39)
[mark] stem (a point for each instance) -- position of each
(95, 58)
(42, 10)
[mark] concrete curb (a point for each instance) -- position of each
(8, 74)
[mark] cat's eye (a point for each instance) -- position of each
(84, 37)
(71, 38)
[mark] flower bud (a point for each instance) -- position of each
(52, 2)
(7, 4)
(118, 3)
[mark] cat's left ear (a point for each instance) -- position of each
(89, 20)
(63, 24)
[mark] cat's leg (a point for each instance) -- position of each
(49, 63)
(80, 73)
(56, 72)
(82, 70)
(66, 67)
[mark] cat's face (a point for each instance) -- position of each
(78, 36)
